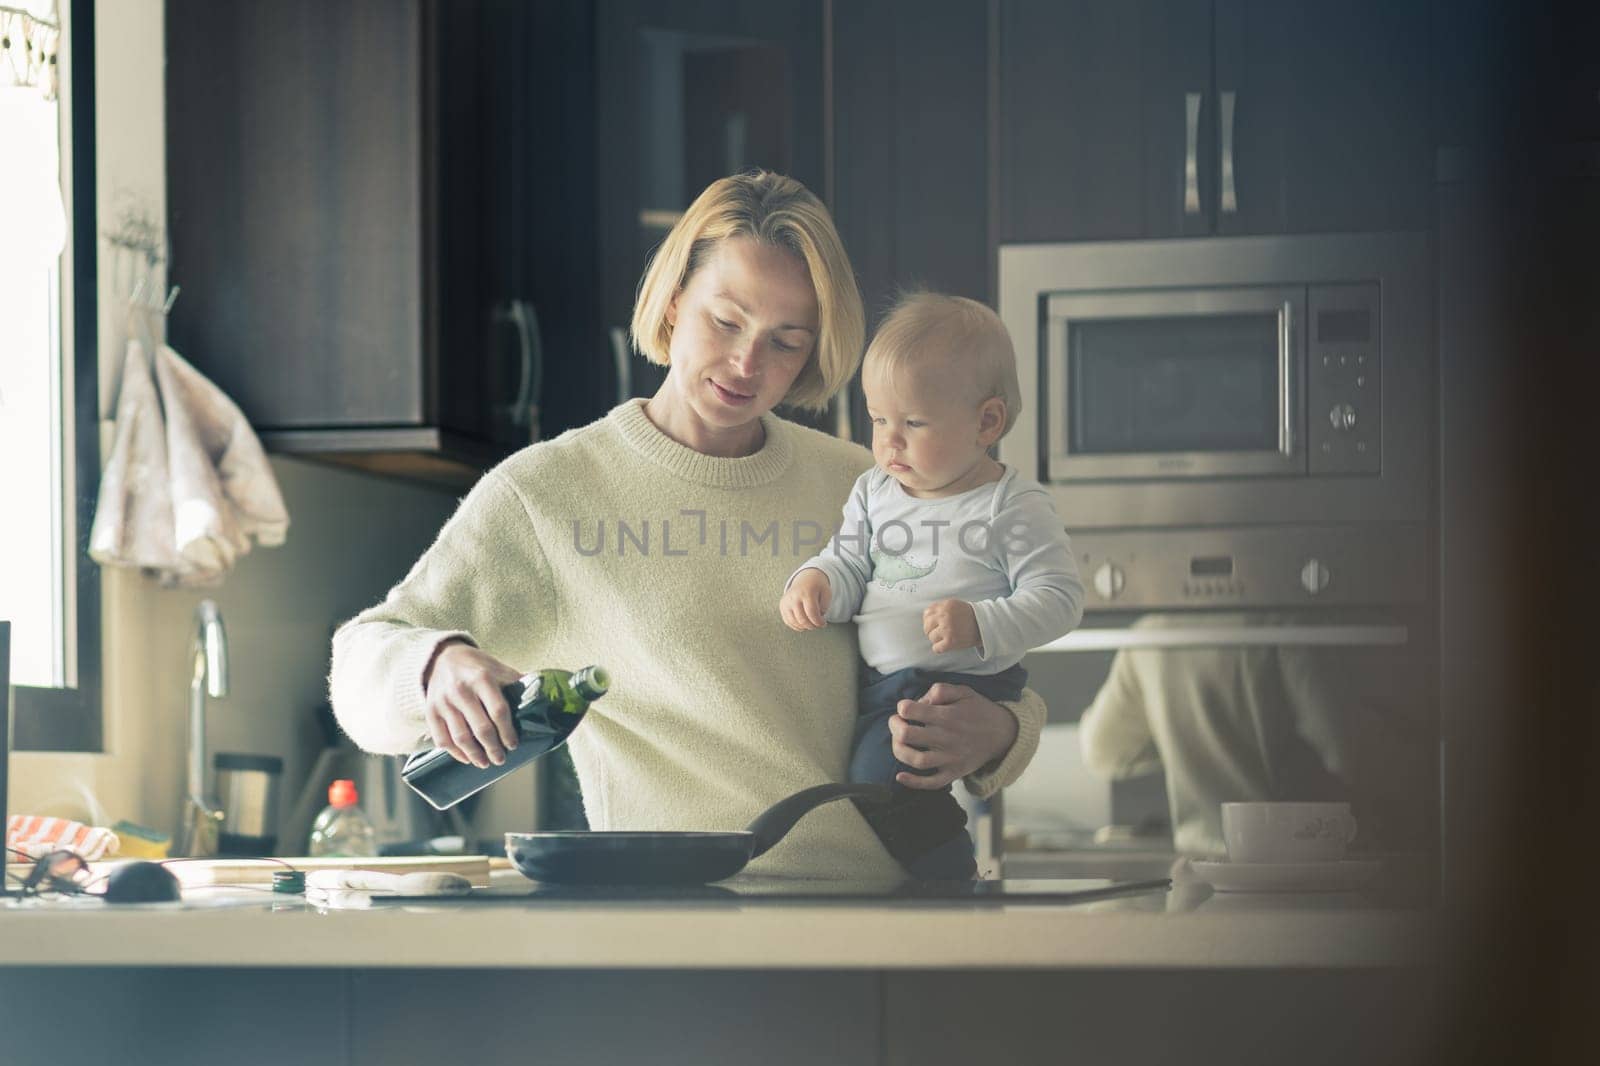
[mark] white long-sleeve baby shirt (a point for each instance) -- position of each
(1000, 547)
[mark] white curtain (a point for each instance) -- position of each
(29, 37)
(33, 223)
(33, 230)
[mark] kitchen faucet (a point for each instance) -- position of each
(208, 656)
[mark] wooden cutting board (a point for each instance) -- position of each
(474, 868)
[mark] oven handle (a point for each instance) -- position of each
(1327, 636)
(1289, 374)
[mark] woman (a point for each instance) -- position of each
(655, 541)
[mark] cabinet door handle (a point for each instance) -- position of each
(531, 373)
(1191, 162)
(621, 357)
(1230, 198)
(1288, 380)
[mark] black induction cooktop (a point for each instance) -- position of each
(752, 890)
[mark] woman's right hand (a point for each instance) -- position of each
(466, 711)
(805, 602)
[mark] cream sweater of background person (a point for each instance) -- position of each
(614, 544)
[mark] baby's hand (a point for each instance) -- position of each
(951, 625)
(805, 603)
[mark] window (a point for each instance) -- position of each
(49, 452)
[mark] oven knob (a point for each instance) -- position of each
(1109, 580)
(1314, 576)
(1343, 417)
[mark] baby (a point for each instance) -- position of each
(950, 564)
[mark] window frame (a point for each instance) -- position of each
(72, 719)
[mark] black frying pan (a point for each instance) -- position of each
(668, 858)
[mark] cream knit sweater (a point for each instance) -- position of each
(614, 544)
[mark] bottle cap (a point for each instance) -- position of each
(342, 793)
(591, 682)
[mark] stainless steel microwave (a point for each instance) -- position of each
(1231, 423)
(1224, 381)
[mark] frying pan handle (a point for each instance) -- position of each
(772, 824)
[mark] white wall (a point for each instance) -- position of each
(351, 537)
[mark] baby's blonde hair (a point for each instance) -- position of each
(926, 326)
(777, 211)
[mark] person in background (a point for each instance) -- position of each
(1263, 722)
(952, 566)
(649, 541)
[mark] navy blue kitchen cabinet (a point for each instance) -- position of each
(689, 91)
(1176, 118)
(177, 1016)
(401, 227)
(910, 187)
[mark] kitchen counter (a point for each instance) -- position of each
(1139, 980)
(1184, 928)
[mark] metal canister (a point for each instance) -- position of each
(248, 786)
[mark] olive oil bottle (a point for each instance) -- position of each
(547, 706)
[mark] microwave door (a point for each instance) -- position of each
(1175, 383)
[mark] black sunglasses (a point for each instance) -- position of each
(62, 872)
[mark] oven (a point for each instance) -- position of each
(1238, 435)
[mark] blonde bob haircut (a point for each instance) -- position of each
(944, 333)
(781, 212)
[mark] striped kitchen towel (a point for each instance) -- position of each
(33, 835)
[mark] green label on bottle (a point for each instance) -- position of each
(555, 687)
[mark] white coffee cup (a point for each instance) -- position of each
(1287, 832)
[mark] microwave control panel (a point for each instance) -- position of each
(1344, 386)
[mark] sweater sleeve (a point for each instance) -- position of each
(481, 581)
(1046, 599)
(1030, 712)
(1114, 733)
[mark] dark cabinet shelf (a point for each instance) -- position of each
(335, 192)
(415, 453)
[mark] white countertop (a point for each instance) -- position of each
(1149, 931)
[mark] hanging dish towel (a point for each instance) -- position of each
(188, 483)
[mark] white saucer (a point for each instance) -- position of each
(1340, 876)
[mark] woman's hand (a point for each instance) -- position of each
(805, 602)
(952, 731)
(466, 712)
